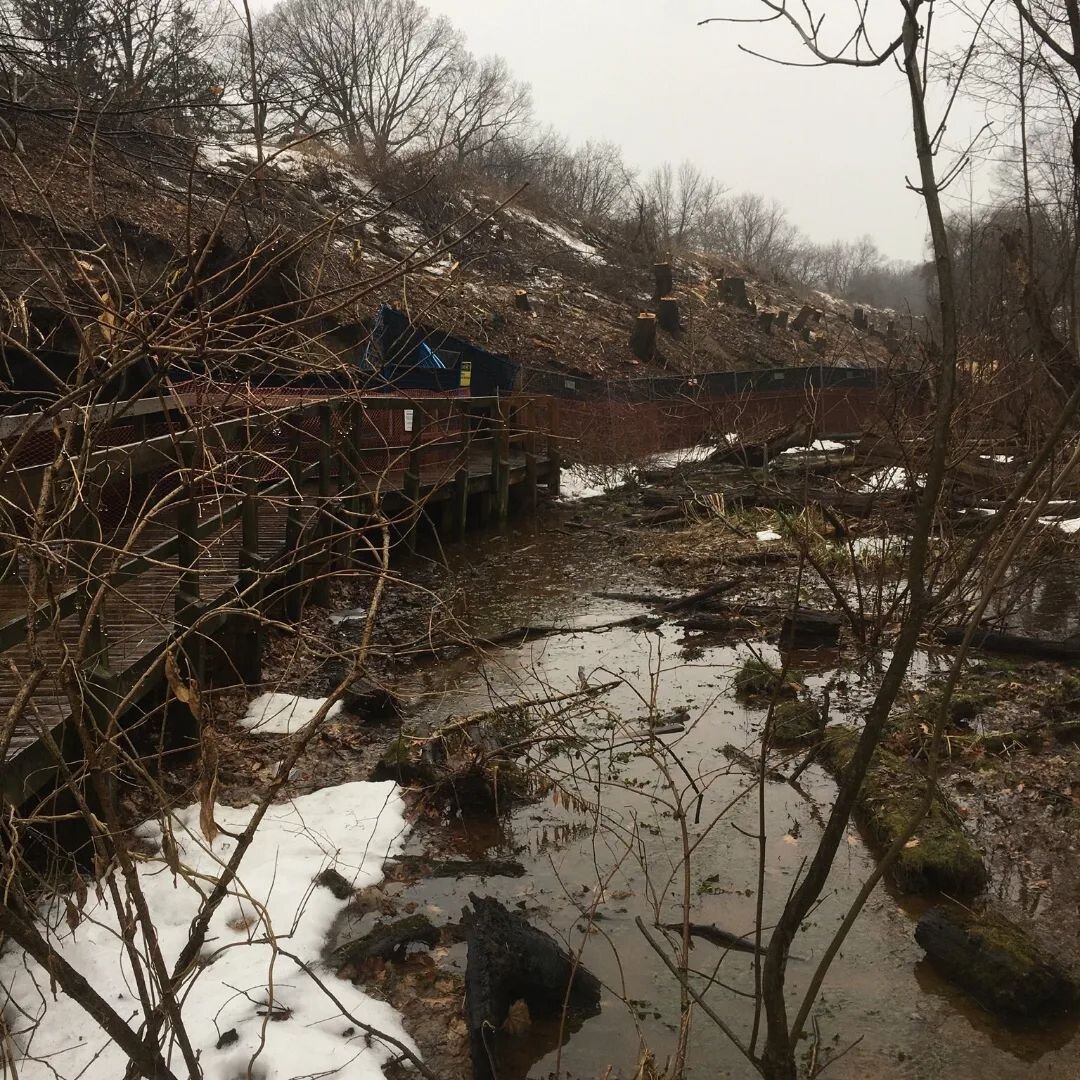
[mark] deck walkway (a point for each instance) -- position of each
(148, 603)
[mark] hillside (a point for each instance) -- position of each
(323, 247)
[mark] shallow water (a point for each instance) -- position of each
(619, 855)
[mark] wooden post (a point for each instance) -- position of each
(643, 337)
(246, 648)
(664, 280)
(186, 600)
(554, 461)
(667, 314)
(411, 488)
(501, 472)
(531, 466)
(324, 564)
(461, 477)
(295, 573)
(358, 422)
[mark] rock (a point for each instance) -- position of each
(759, 679)
(996, 961)
(336, 882)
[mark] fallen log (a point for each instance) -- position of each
(521, 635)
(996, 962)
(510, 961)
(1013, 644)
(715, 936)
(424, 867)
(718, 624)
(755, 455)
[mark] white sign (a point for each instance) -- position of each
(408, 419)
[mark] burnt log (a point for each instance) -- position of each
(643, 337)
(664, 280)
(996, 962)
(388, 942)
(667, 314)
(510, 961)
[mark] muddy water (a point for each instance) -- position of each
(883, 1010)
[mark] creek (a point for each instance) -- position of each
(593, 868)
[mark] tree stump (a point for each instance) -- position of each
(734, 292)
(765, 321)
(782, 319)
(667, 314)
(802, 319)
(859, 319)
(664, 280)
(521, 300)
(643, 338)
(510, 961)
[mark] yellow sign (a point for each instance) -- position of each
(466, 373)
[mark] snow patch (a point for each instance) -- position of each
(891, 479)
(226, 1001)
(282, 714)
(588, 481)
(556, 232)
(768, 534)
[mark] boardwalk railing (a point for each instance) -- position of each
(136, 535)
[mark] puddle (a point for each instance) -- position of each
(617, 853)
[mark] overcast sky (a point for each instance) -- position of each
(833, 145)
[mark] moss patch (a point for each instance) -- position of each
(758, 679)
(941, 857)
(795, 722)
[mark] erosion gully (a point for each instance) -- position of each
(882, 1002)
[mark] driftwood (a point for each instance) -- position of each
(510, 961)
(995, 961)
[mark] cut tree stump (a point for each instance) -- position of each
(667, 314)
(664, 280)
(521, 300)
(802, 319)
(510, 961)
(996, 962)
(643, 338)
(765, 321)
(734, 292)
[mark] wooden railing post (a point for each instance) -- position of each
(324, 564)
(532, 469)
(295, 573)
(461, 476)
(554, 475)
(247, 646)
(187, 544)
(411, 486)
(502, 475)
(357, 426)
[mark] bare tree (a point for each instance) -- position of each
(375, 74)
(485, 105)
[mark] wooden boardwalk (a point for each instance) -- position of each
(190, 566)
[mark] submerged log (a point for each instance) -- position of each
(510, 961)
(1013, 644)
(996, 962)
(713, 934)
